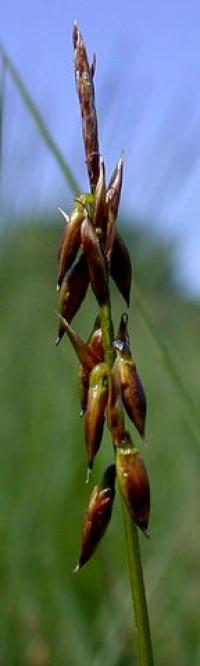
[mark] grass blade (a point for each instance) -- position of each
(44, 131)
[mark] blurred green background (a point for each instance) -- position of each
(49, 615)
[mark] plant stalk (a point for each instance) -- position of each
(143, 636)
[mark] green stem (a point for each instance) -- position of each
(107, 332)
(143, 636)
(144, 647)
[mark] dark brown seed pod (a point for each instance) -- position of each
(115, 413)
(112, 199)
(72, 293)
(134, 483)
(84, 74)
(132, 391)
(96, 262)
(95, 411)
(120, 267)
(97, 516)
(70, 241)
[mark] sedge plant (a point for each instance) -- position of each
(92, 252)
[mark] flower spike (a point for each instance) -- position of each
(110, 386)
(84, 74)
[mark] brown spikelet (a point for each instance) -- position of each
(134, 483)
(95, 411)
(96, 262)
(120, 267)
(95, 344)
(84, 74)
(132, 391)
(112, 199)
(72, 293)
(115, 412)
(97, 516)
(70, 243)
(100, 206)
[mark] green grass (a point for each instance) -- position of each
(48, 615)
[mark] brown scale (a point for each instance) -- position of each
(72, 293)
(70, 242)
(112, 199)
(95, 411)
(96, 262)
(120, 267)
(97, 516)
(134, 483)
(132, 391)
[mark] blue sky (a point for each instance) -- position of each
(148, 99)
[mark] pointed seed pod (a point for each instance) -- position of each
(95, 345)
(132, 391)
(95, 411)
(70, 241)
(115, 412)
(97, 516)
(112, 199)
(72, 293)
(120, 267)
(134, 484)
(96, 262)
(99, 218)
